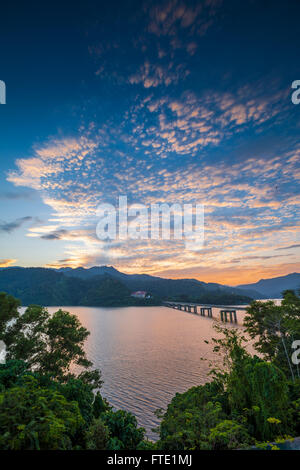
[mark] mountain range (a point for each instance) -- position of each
(159, 286)
(106, 286)
(272, 288)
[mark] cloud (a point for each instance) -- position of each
(4, 263)
(289, 247)
(49, 161)
(187, 124)
(153, 75)
(245, 215)
(170, 146)
(232, 275)
(16, 195)
(249, 258)
(166, 35)
(57, 235)
(8, 227)
(167, 18)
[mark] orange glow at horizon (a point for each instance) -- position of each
(232, 276)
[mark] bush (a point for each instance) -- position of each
(32, 417)
(97, 436)
(229, 435)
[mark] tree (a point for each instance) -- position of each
(10, 373)
(97, 436)
(49, 344)
(50, 405)
(32, 417)
(256, 389)
(269, 392)
(8, 311)
(229, 435)
(274, 329)
(123, 429)
(247, 400)
(100, 405)
(189, 417)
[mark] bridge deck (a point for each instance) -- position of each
(227, 312)
(225, 307)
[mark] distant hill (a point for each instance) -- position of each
(273, 288)
(48, 287)
(106, 286)
(178, 289)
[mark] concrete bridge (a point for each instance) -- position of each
(227, 313)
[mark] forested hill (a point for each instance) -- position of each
(52, 287)
(166, 288)
(47, 287)
(273, 288)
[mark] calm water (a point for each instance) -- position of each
(146, 355)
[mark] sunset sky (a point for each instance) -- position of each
(169, 101)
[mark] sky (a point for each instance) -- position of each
(172, 101)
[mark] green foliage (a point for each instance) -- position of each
(43, 286)
(274, 328)
(255, 388)
(234, 359)
(97, 436)
(146, 445)
(107, 292)
(123, 429)
(42, 404)
(214, 296)
(269, 391)
(32, 417)
(189, 418)
(76, 390)
(100, 405)
(45, 406)
(49, 344)
(229, 435)
(10, 372)
(8, 311)
(248, 400)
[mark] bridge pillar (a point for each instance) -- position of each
(232, 316)
(223, 314)
(207, 310)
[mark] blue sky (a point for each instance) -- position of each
(169, 101)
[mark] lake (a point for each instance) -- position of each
(147, 354)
